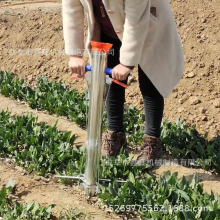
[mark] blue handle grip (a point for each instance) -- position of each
(88, 68)
(108, 71)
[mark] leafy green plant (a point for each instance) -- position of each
(43, 149)
(74, 214)
(134, 124)
(51, 96)
(167, 198)
(56, 98)
(184, 142)
(120, 168)
(37, 146)
(10, 209)
(181, 141)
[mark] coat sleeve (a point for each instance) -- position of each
(73, 26)
(137, 17)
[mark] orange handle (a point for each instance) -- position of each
(120, 83)
(114, 80)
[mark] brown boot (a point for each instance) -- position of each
(112, 143)
(151, 149)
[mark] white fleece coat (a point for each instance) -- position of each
(150, 41)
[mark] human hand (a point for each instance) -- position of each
(77, 65)
(120, 72)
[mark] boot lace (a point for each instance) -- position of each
(108, 143)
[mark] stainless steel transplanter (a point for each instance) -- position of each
(96, 108)
(97, 83)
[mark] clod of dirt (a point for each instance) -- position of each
(190, 75)
(194, 100)
(216, 103)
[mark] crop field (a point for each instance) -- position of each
(44, 150)
(43, 120)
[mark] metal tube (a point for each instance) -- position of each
(95, 117)
(96, 107)
(97, 84)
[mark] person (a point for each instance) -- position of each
(143, 34)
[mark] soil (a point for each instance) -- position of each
(46, 191)
(31, 44)
(31, 28)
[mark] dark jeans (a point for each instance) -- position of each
(153, 100)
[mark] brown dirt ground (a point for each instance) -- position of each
(196, 98)
(46, 191)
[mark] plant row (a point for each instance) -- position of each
(10, 209)
(57, 99)
(43, 149)
(167, 198)
(181, 141)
